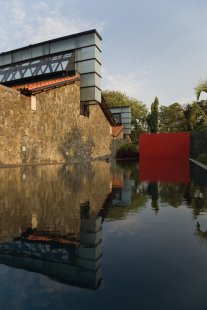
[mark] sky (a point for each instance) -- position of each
(150, 47)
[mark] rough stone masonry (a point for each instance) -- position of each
(53, 132)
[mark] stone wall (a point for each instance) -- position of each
(53, 133)
(116, 144)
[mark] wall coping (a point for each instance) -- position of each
(198, 163)
(10, 90)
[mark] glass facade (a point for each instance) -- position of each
(78, 53)
(122, 115)
(117, 117)
(35, 67)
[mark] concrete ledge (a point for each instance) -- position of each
(199, 163)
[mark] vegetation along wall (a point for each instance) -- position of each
(198, 142)
(53, 131)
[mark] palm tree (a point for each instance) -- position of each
(201, 87)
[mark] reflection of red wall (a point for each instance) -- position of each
(165, 145)
(164, 170)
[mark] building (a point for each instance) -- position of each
(51, 108)
(59, 57)
(122, 116)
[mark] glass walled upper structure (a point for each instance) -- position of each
(33, 68)
(122, 116)
(80, 53)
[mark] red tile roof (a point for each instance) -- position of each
(46, 84)
(116, 182)
(116, 130)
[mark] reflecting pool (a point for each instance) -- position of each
(104, 236)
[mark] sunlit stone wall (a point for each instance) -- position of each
(54, 132)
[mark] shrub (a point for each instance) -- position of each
(198, 143)
(202, 158)
(128, 151)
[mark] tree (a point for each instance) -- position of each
(138, 109)
(189, 117)
(172, 118)
(196, 115)
(201, 87)
(152, 118)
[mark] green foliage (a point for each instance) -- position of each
(128, 151)
(202, 158)
(201, 87)
(198, 142)
(196, 115)
(152, 118)
(139, 110)
(172, 118)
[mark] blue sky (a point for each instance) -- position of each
(150, 47)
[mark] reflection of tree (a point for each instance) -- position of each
(116, 212)
(129, 173)
(200, 234)
(197, 205)
(196, 197)
(192, 195)
(130, 167)
(172, 194)
(197, 191)
(153, 191)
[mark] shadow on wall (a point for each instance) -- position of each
(75, 148)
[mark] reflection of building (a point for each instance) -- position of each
(50, 223)
(76, 261)
(123, 195)
(121, 191)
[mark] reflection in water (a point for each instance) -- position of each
(53, 220)
(153, 191)
(70, 260)
(50, 220)
(201, 234)
(122, 191)
(164, 170)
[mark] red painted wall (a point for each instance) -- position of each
(164, 157)
(164, 145)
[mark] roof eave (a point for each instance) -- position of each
(37, 90)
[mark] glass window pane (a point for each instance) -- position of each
(17, 56)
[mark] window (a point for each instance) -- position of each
(84, 109)
(117, 117)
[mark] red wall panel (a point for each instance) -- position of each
(164, 157)
(165, 145)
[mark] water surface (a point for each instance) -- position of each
(103, 236)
